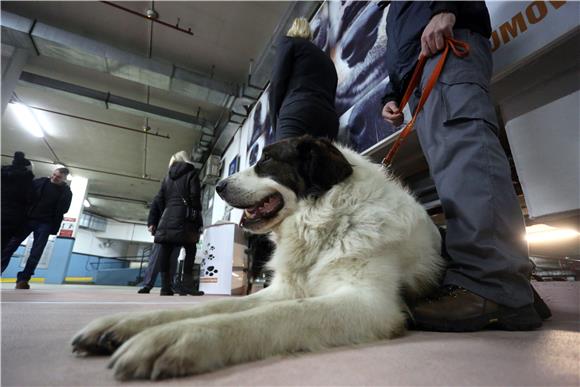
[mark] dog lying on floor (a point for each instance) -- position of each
(351, 243)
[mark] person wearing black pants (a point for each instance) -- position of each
(180, 224)
(303, 87)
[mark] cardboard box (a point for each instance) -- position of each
(240, 258)
(239, 283)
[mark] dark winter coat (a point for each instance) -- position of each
(181, 183)
(60, 207)
(16, 194)
(406, 21)
(303, 88)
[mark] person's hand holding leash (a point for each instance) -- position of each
(392, 114)
(439, 28)
(151, 229)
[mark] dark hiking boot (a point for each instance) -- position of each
(456, 309)
(22, 285)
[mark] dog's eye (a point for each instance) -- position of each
(266, 157)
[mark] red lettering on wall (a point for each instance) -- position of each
(539, 14)
(557, 4)
(535, 12)
(495, 42)
(506, 29)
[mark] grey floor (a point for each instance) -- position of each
(37, 325)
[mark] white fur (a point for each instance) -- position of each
(341, 264)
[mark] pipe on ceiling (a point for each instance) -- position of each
(144, 16)
(90, 169)
(141, 132)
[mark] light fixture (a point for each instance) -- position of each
(540, 233)
(28, 119)
(86, 203)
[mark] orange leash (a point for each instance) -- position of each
(460, 49)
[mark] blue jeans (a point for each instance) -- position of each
(41, 233)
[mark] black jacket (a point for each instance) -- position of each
(303, 76)
(170, 217)
(16, 195)
(406, 21)
(61, 207)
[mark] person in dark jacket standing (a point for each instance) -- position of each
(51, 198)
(181, 223)
(303, 87)
(16, 189)
(487, 281)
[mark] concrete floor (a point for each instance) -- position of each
(37, 325)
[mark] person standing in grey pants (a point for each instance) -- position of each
(487, 280)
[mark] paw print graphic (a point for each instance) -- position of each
(210, 271)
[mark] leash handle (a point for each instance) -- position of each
(459, 49)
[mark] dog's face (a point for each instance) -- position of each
(287, 172)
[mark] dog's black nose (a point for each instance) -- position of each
(221, 186)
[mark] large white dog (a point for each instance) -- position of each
(351, 245)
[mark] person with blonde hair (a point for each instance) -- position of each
(302, 87)
(178, 222)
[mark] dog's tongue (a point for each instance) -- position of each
(269, 205)
(262, 209)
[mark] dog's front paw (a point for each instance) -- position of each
(104, 335)
(170, 350)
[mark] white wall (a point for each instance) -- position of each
(126, 231)
(87, 243)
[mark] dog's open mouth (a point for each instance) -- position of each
(266, 208)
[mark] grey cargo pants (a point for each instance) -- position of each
(457, 130)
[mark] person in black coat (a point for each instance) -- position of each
(51, 198)
(180, 224)
(16, 189)
(303, 87)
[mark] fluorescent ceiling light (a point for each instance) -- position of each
(540, 233)
(28, 119)
(86, 203)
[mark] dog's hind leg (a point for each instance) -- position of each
(198, 345)
(105, 334)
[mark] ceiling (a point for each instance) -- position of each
(139, 90)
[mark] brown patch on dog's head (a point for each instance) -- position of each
(307, 165)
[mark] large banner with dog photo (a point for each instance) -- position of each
(353, 35)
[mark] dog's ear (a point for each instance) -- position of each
(321, 165)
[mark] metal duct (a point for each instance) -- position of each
(108, 100)
(50, 41)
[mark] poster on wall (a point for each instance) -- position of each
(234, 165)
(353, 34)
(46, 254)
